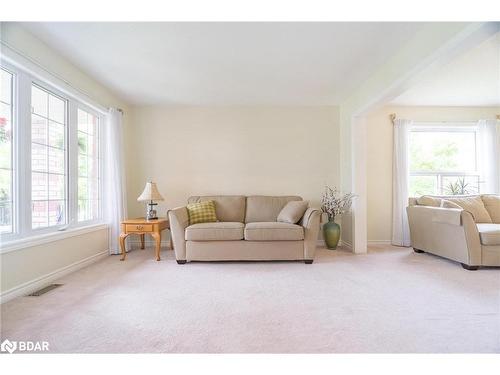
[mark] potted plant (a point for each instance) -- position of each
(459, 187)
(334, 204)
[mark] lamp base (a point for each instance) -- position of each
(151, 212)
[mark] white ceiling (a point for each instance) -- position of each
(472, 79)
(227, 63)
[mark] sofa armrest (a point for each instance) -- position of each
(309, 216)
(447, 232)
(179, 221)
(472, 238)
(452, 216)
(310, 222)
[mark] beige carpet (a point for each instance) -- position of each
(390, 300)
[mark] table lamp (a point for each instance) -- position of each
(150, 194)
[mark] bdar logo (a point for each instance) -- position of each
(8, 346)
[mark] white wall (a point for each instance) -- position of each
(22, 266)
(434, 45)
(232, 150)
(278, 150)
(380, 147)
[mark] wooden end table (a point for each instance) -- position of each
(141, 226)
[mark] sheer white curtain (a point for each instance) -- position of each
(114, 202)
(400, 183)
(488, 159)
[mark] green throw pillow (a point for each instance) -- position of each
(202, 212)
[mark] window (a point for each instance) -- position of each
(6, 137)
(48, 159)
(443, 160)
(50, 164)
(88, 166)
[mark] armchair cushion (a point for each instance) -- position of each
(273, 231)
(489, 234)
(293, 212)
(220, 231)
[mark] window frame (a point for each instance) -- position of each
(448, 127)
(13, 160)
(53, 91)
(100, 119)
(21, 158)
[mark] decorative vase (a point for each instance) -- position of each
(331, 232)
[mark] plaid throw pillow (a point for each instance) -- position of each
(202, 212)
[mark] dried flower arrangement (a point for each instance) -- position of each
(335, 203)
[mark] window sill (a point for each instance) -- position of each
(49, 237)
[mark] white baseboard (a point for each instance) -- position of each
(379, 242)
(135, 242)
(42, 281)
(346, 245)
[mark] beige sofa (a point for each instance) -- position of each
(247, 230)
(454, 233)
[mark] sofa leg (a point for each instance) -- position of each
(469, 268)
(309, 261)
(418, 250)
(181, 261)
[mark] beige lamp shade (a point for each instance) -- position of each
(150, 193)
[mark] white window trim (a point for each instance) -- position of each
(14, 146)
(451, 126)
(74, 157)
(18, 61)
(23, 234)
(27, 154)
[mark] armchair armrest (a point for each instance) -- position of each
(310, 222)
(179, 221)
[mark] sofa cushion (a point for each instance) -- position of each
(293, 212)
(227, 207)
(220, 231)
(427, 200)
(489, 234)
(261, 208)
(474, 205)
(449, 204)
(202, 212)
(492, 204)
(273, 231)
